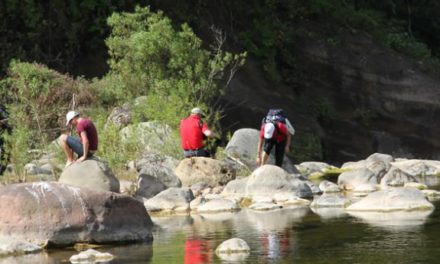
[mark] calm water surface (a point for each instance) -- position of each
(295, 235)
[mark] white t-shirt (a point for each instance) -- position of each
(269, 128)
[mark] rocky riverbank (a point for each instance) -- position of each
(88, 203)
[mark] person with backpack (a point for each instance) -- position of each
(274, 132)
(4, 129)
(192, 133)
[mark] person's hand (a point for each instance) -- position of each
(80, 159)
(258, 159)
(286, 150)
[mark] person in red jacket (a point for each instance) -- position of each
(192, 133)
(273, 134)
(85, 145)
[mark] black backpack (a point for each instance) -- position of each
(274, 116)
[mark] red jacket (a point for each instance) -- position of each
(279, 134)
(191, 134)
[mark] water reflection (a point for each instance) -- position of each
(393, 220)
(290, 235)
(197, 250)
(329, 213)
(276, 219)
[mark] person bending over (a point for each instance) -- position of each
(85, 145)
(192, 133)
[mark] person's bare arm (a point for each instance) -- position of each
(86, 144)
(289, 138)
(209, 133)
(260, 145)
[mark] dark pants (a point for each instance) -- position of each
(201, 152)
(3, 156)
(279, 150)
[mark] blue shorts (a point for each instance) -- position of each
(75, 144)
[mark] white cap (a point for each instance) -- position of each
(269, 128)
(70, 115)
(196, 111)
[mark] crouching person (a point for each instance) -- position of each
(85, 145)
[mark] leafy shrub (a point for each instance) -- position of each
(41, 97)
(151, 58)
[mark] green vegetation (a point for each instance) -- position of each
(160, 55)
(148, 57)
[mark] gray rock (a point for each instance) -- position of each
(57, 214)
(234, 249)
(396, 177)
(329, 187)
(264, 206)
(12, 247)
(218, 205)
(270, 179)
(365, 188)
(127, 187)
(200, 169)
(121, 115)
(91, 173)
(91, 255)
(330, 200)
(351, 179)
(416, 185)
(415, 167)
(171, 200)
(243, 148)
(379, 157)
(149, 186)
(312, 168)
(236, 188)
(393, 199)
(33, 169)
(148, 135)
(197, 188)
(160, 167)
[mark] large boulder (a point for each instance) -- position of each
(236, 188)
(170, 200)
(314, 169)
(349, 180)
(57, 214)
(201, 169)
(330, 200)
(269, 180)
(148, 135)
(13, 247)
(393, 199)
(159, 167)
(415, 167)
(243, 148)
(396, 177)
(91, 173)
(149, 186)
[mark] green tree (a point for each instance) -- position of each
(150, 57)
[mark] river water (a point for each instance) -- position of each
(291, 235)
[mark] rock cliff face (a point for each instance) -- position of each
(371, 98)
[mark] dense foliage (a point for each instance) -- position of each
(161, 54)
(65, 34)
(148, 56)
